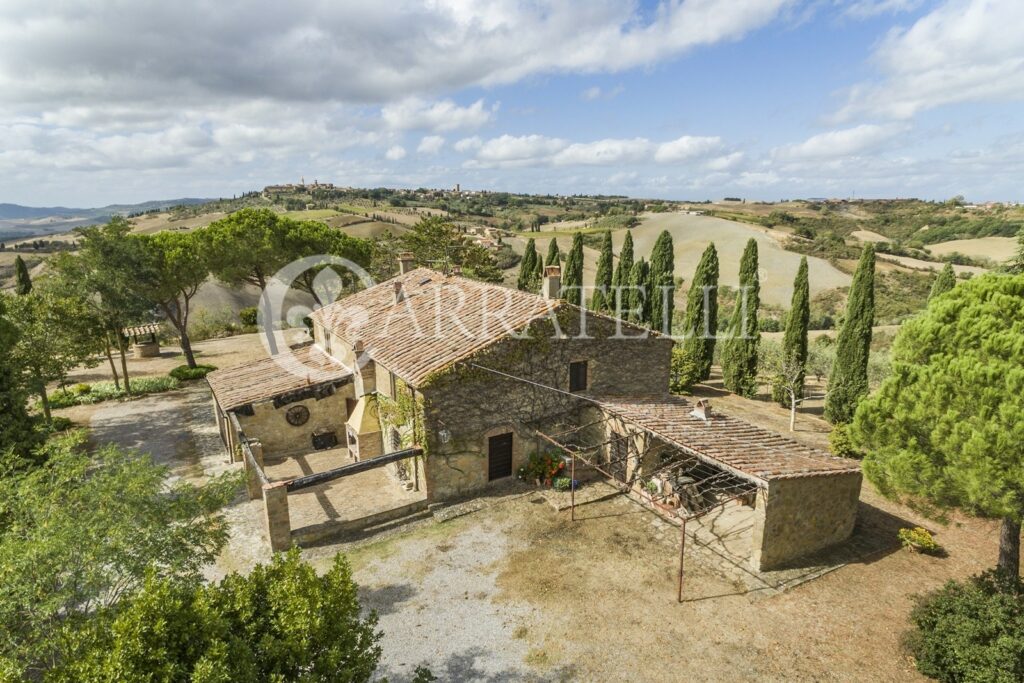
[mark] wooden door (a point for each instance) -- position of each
(499, 456)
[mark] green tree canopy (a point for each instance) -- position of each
(17, 428)
(436, 242)
(945, 428)
(81, 530)
(572, 278)
(22, 280)
(554, 257)
(739, 357)
(945, 281)
(1016, 266)
(105, 272)
(248, 247)
(794, 342)
(662, 279)
(848, 382)
(282, 622)
(527, 278)
(176, 265)
(603, 298)
(56, 333)
(700, 321)
(620, 278)
(637, 305)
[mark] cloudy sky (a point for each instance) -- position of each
(106, 101)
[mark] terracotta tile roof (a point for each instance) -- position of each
(150, 328)
(727, 441)
(266, 378)
(442, 319)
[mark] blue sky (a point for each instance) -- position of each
(126, 101)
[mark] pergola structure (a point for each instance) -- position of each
(679, 487)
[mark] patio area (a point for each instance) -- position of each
(342, 505)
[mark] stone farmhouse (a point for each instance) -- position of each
(432, 387)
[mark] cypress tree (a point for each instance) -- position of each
(17, 427)
(538, 265)
(699, 342)
(739, 357)
(554, 255)
(662, 281)
(23, 283)
(944, 282)
(572, 278)
(848, 382)
(603, 298)
(528, 267)
(636, 301)
(621, 276)
(794, 343)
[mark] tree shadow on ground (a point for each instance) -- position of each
(464, 666)
(386, 599)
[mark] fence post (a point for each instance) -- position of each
(278, 523)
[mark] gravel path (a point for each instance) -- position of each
(437, 604)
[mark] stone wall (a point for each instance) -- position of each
(268, 424)
(471, 404)
(796, 517)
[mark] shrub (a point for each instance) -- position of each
(919, 538)
(561, 483)
(840, 443)
(184, 372)
(248, 316)
(971, 631)
(108, 391)
(79, 389)
(684, 373)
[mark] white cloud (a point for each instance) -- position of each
(841, 143)
(597, 93)
(686, 147)
(360, 51)
(518, 149)
(414, 113)
(468, 144)
(866, 9)
(724, 162)
(539, 150)
(430, 144)
(394, 153)
(963, 51)
(601, 152)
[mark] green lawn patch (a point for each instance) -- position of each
(98, 392)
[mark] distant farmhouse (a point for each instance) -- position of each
(431, 387)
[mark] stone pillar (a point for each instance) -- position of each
(252, 480)
(278, 524)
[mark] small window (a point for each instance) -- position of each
(578, 376)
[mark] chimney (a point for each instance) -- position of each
(702, 410)
(552, 286)
(399, 294)
(406, 262)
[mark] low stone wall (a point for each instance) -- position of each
(796, 517)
